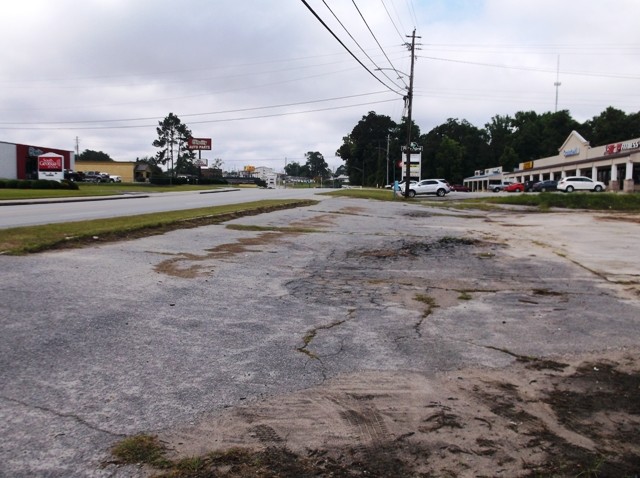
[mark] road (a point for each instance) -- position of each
(361, 313)
(44, 211)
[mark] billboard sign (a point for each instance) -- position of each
(51, 166)
(199, 144)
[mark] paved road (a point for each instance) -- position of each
(29, 213)
(145, 335)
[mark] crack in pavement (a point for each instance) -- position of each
(74, 417)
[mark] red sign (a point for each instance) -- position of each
(199, 143)
(50, 163)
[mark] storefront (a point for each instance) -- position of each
(20, 161)
(616, 164)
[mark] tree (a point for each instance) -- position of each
(293, 169)
(89, 155)
(318, 167)
(172, 140)
(360, 150)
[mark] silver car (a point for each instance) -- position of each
(580, 183)
(438, 187)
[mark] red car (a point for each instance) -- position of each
(515, 187)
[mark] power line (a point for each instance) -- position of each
(377, 42)
(201, 122)
(345, 47)
(239, 110)
(392, 22)
(525, 68)
(356, 42)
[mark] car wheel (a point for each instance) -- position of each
(518, 190)
(495, 190)
(412, 193)
(598, 189)
(569, 189)
(441, 192)
(544, 190)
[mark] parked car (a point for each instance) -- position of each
(460, 188)
(580, 183)
(514, 187)
(546, 185)
(528, 185)
(498, 186)
(438, 187)
(115, 179)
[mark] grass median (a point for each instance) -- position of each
(621, 202)
(30, 239)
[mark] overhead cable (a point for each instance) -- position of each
(376, 40)
(349, 51)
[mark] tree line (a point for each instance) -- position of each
(456, 149)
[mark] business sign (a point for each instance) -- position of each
(619, 147)
(50, 162)
(527, 165)
(51, 166)
(199, 144)
(571, 152)
(415, 165)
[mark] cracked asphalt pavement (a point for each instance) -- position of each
(146, 335)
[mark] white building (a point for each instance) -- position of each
(616, 164)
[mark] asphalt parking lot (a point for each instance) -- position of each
(154, 334)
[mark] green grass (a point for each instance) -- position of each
(592, 201)
(23, 240)
(100, 189)
(543, 201)
(145, 449)
(367, 193)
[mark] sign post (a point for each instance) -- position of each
(199, 144)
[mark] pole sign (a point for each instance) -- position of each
(51, 166)
(199, 144)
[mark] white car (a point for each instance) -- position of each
(438, 187)
(580, 183)
(115, 179)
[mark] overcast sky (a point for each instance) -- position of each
(268, 82)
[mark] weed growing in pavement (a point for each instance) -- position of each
(145, 449)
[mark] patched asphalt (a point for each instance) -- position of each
(139, 336)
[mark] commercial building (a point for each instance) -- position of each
(615, 164)
(20, 161)
(124, 169)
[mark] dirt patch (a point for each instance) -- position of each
(631, 217)
(575, 416)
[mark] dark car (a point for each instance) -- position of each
(460, 188)
(528, 185)
(547, 185)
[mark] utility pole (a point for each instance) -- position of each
(409, 101)
(557, 83)
(77, 146)
(388, 159)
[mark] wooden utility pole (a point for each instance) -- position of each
(409, 101)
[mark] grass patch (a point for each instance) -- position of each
(591, 201)
(367, 193)
(429, 301)
(464, 295)
(24, 240)
(543, 201)
(145, 449)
